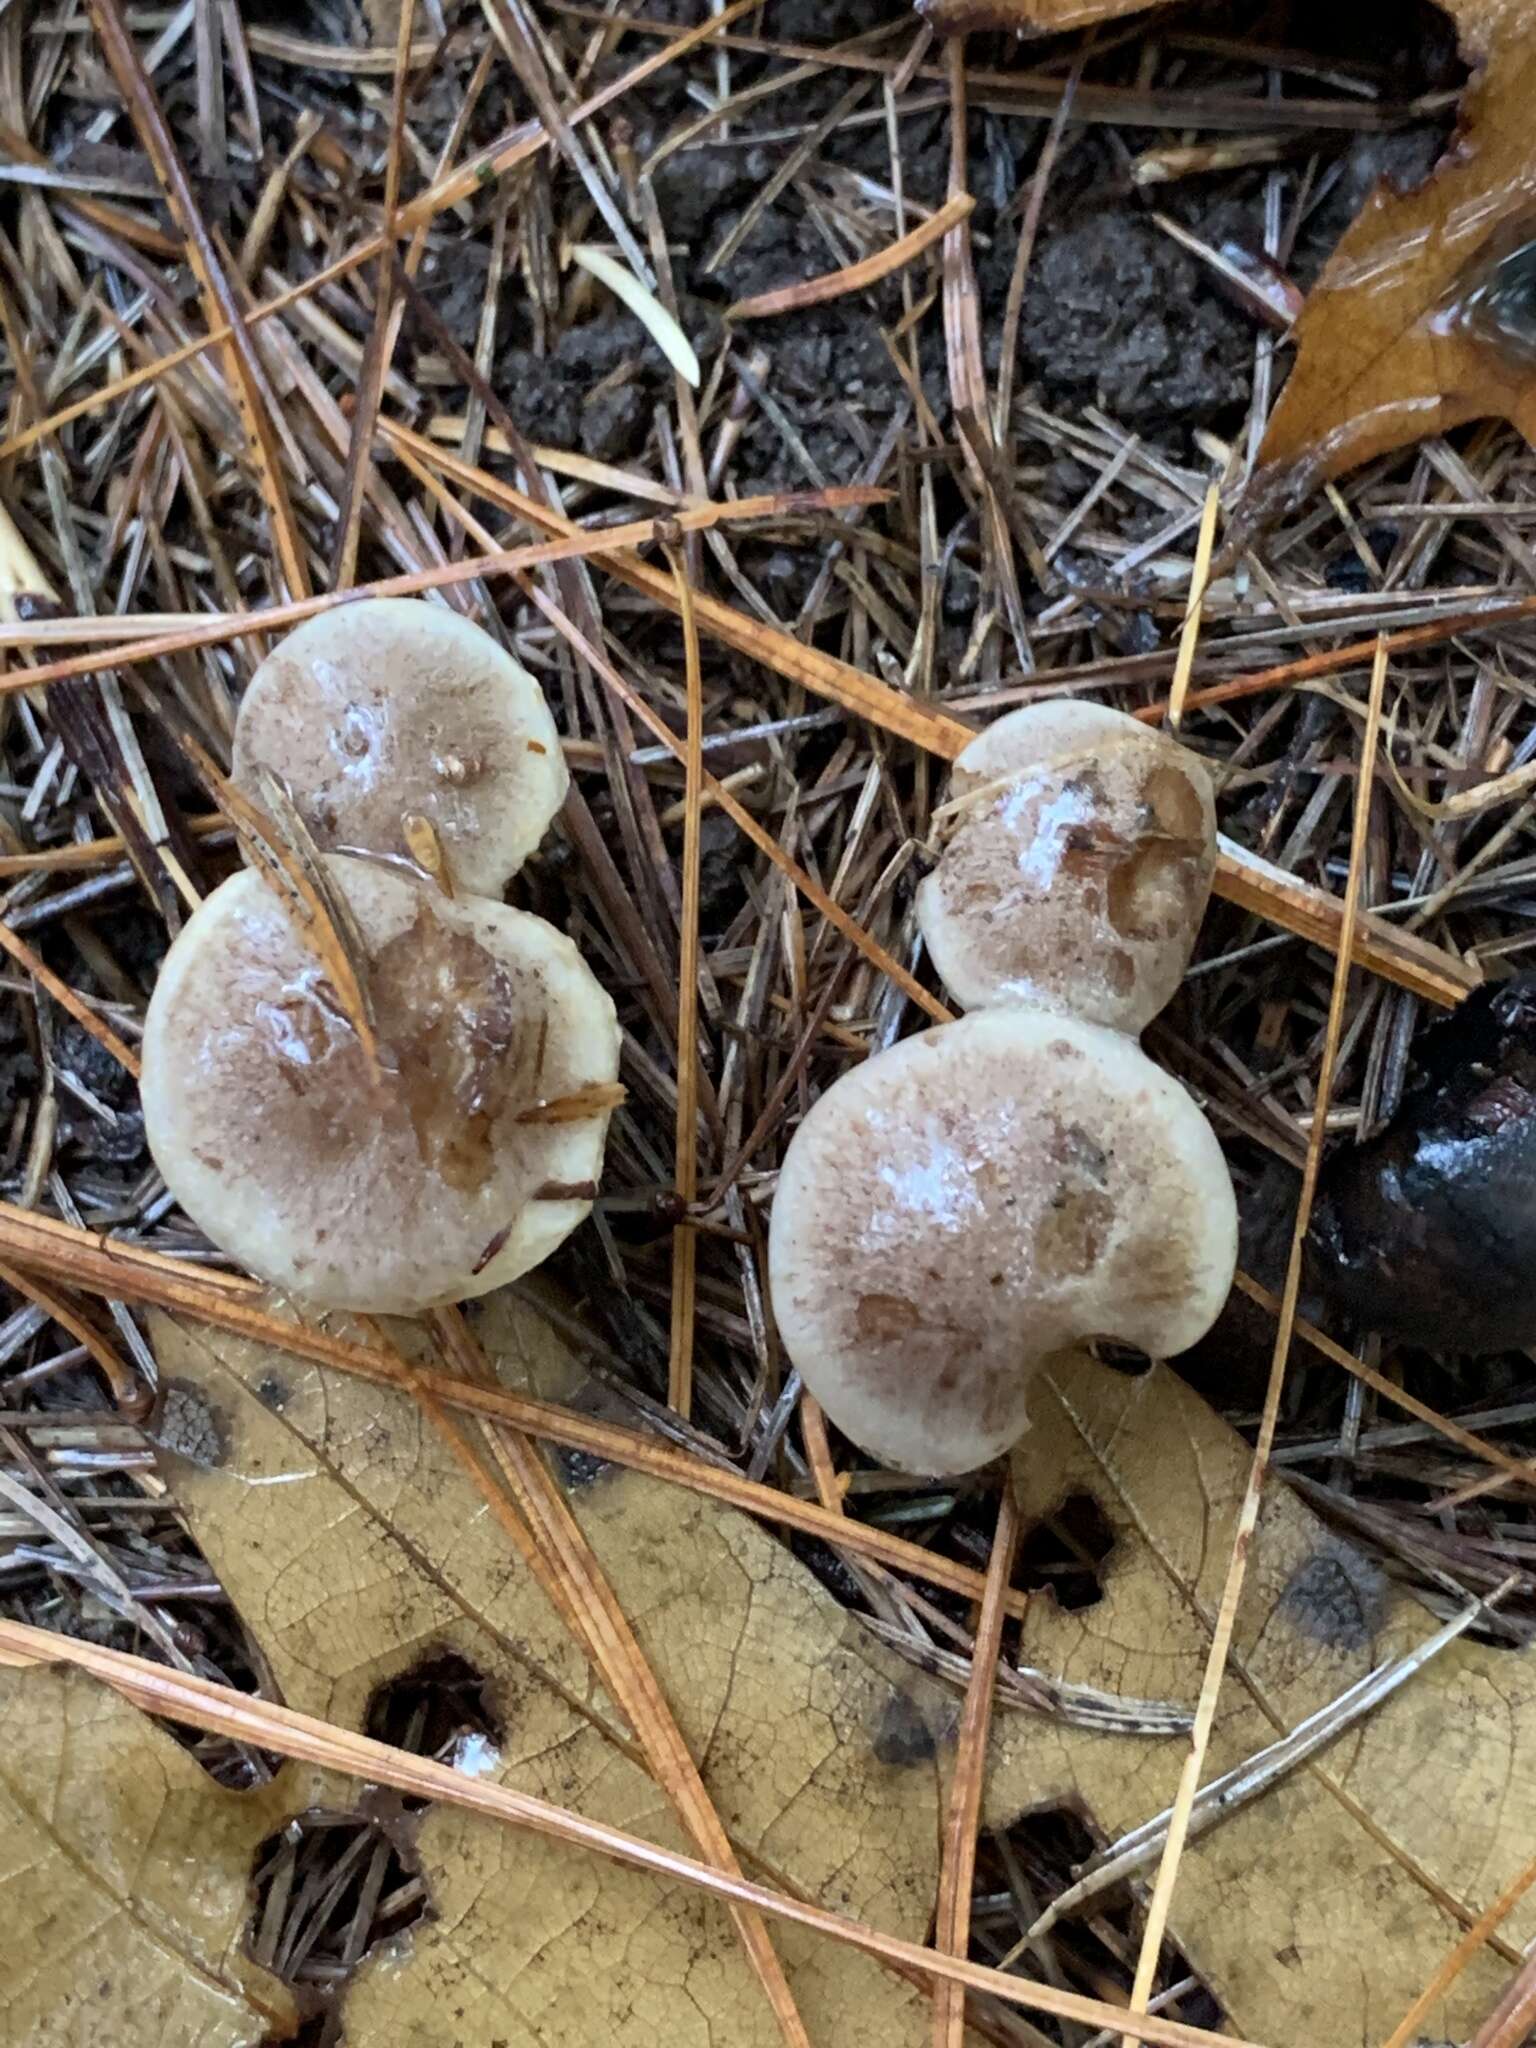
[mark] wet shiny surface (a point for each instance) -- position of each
(1427, 1232)
(1494, 300)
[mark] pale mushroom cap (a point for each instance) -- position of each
(973, 1201)
(388, 1191)
(393, 707)
(1078, 873)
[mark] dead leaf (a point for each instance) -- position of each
(1024, 17)
(1420, 319)
(1315, 1914)
(349, 1541)
(124, 1870)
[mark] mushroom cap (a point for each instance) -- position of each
(1077, 873)
(386, 1189)
(392, 707)
(972, 1202)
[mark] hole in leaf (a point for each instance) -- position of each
(1122, 1358)
(1020, 1872)
(316, 2030)
(1062, 1553)
(443, 1708)
(328, 1888)
(428, 1708)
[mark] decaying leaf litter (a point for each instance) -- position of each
(1119, 187)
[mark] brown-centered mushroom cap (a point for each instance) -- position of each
(1076, 865)
(388, 1188)
(393, 708)
(972, 1202)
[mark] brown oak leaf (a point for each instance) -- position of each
(1425, 315)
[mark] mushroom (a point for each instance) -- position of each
(1078, 856)
(377, 713)
(452, 1161)
(974, 1201)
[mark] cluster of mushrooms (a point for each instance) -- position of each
(975, 1201)
(454, 1143)
(950, 1216)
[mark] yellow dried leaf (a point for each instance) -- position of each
(1317, 1913)
(348, 1538)
(124, 1871)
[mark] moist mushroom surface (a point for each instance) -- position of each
(394, 708)
(1079, 848)
(974, 1200)
(423, 1178)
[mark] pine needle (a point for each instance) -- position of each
(1199, 578)
(836, 284)
(646, 307)
(684, 1240)
(1248, 1514)
(555, 1549)
(119, 1270)
(957, 1866)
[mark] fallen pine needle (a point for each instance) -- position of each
(122, 1271)
(1199, 579)
(686, 1141)
(130, 1394)
(957, 1866)
(1248, 1514)
(646, 307)
(534, 1514)
(575, 542)
(1241, 877)
(1520, 1469)
(597, 1098)
(512, 148)
(66, 998)
(835, 284)
(1246, 1781)
(1408, 2028)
